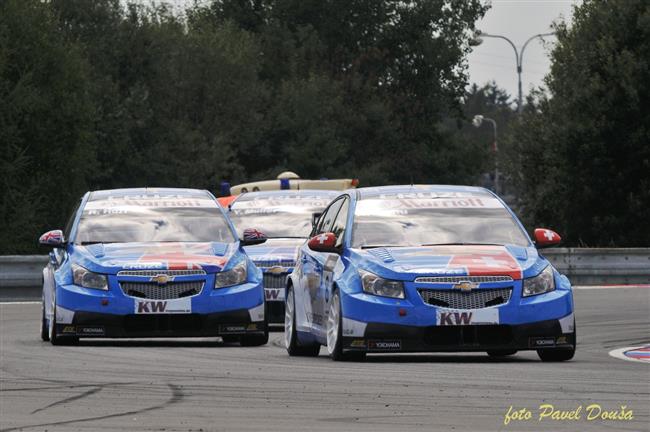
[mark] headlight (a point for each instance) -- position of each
(88, 279)
(540, 284)
(373, 284)
(234, 276)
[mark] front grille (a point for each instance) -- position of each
(152, 273)
(476, 299)
(274, 281)
(275, 263)
(458, 279)
(172, 290)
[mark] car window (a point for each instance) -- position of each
(414, 220)
(153, 218)
(326, 221)
(338, 227)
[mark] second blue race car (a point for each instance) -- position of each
(151, 263)
(426, 268)
(285, 217)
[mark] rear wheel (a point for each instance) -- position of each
(290, 335)
(334, 333)
(501, 353)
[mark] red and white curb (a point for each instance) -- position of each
(636, 354)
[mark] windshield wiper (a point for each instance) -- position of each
(462, 244)
(86, 243)
(380, 246)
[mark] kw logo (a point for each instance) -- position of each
(152, 306)
(272, 294)
(455, 318)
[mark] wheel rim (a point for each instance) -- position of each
(50, 324)
(288, 320)
(333, 324)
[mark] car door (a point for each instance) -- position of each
(312, 271)
(332, 264)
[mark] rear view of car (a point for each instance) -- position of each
(286, 219)
(150, 263)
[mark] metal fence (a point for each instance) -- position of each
(583, 266)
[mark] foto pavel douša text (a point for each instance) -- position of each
(548, 412)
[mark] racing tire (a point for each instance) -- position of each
(334, 333)
(254, 340)
(290, 334)
(45, 334)
(556, 355)
(56, 339)
(501, 353)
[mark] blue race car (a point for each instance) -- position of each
(426, 268)
(151, 263)
(286, 218)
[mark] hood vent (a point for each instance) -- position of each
(383, 254)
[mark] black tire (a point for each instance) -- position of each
(501, 353)
(56, 339)
(556, 355)
(45, 336)
(254, 340)
(337, 354)
(291, 342)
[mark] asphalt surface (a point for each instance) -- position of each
(205, 385)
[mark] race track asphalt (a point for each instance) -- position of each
(205, 385)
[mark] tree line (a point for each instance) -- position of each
(108, 94)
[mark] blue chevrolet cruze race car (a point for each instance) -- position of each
(151, 263)
(285, 217)
(426, 268)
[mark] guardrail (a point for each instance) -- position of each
(601, 266)
(583, 266)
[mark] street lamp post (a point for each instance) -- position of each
(519, 55)
(477, 121)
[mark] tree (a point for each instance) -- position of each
(585, 153)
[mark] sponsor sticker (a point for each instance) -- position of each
(358, 343)
(540, 342)
(174, 306)
(91, 330)
(274, 294)
(69, 329)
(384, 345)
(233, 328)
(457, 317)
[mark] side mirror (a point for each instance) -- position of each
(546, 238)
(325, 242)
(52, 238)
(314, 219)
(253, 237)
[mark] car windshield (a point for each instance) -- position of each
(278, 216)
(434, 219)
(153, 219)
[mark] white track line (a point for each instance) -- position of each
(19, 302)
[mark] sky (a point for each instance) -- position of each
(494, 59)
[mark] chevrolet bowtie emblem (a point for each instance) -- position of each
(161, 279)
(465, 286)
(276, 270)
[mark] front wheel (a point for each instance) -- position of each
(334, 333)
(556, 355)
(45, 333)
(290, 336)
(56, 339)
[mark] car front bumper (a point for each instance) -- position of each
(385, 338)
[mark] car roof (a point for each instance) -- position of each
(147, 191)
(289, 192)
(373, 192)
